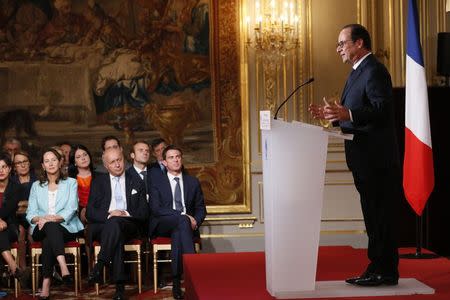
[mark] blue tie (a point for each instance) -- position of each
(120, 203)
(177, 195)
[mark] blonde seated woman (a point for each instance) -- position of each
(52, 213)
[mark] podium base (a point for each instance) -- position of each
(339, 289)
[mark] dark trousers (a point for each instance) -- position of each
(178, 228)
(112, 236)
(52, 236)
(380, 192)
(8, 236)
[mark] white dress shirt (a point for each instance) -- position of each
(139, 171)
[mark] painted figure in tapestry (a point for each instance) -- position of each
(148, 61)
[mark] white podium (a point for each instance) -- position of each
(294, 158)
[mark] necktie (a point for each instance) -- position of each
(144, 175)
(177, 195)
(163, 168)
(120, 203)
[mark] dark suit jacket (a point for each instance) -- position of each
(155, 165)
(132, 172)
(161, 198)
(9, 204)
(369, 97)
(100, 199)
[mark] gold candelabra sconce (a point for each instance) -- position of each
(275, 27)
(272, 31)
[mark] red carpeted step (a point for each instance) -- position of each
(242, 275)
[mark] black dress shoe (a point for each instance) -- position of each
(23, 275)
(67, 279)
(44, 297)
(376, 280)
(57, 279)
(95, 276)
(177, 293)
(120, 292)
(352, 280)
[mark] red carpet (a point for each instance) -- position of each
(242, 275)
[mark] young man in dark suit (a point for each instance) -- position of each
(366, 111)
(140, 155)
(177, 210)
(116, 209)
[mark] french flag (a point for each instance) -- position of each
(418, 172)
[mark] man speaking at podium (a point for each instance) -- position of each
(366, 111)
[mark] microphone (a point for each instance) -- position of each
(289, 97)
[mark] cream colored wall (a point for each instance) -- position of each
(328, 18)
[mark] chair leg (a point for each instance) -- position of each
(95, 262)
(155, 270)
(79, 268)
(38, 256)
(16, 288)
(33, 275)
(139, 271)
(15, 253)
(75, 275)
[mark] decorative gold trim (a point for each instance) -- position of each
(241, 222)
(231, 235)
(293, 84)
(403, 45)
(311, 56)
(225, 183)
(261, 234)
(391, 58)
(343, 220)
(258, 105)
(261, 201)
(441, 15)
(347, 183)
(215, 219)
(336, 145)
(359, 18)
(329, 232)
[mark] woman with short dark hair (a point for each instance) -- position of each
(8, 207)
(24, 177)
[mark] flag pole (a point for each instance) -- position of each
(419, 241)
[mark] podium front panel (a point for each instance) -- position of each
(294, 158)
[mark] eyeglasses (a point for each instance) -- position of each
(342, 43)
(23, 162)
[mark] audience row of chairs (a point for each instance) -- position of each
(73, 249)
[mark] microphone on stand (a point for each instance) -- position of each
(289, 97)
